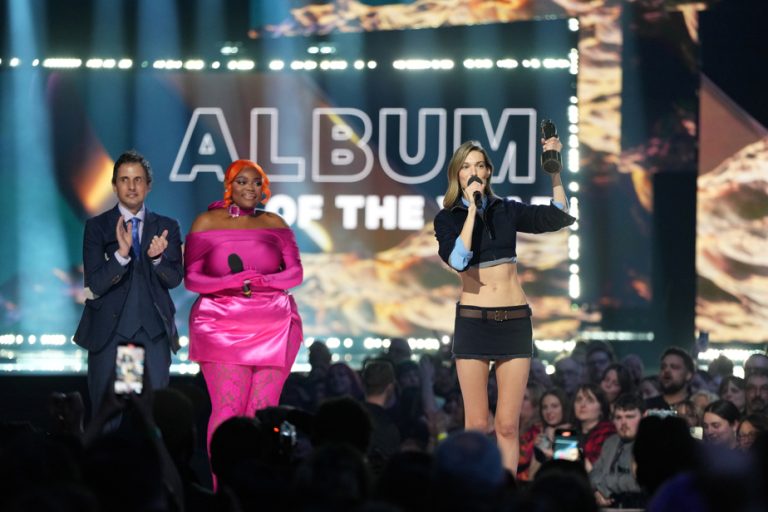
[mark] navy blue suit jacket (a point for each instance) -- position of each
(109, 281)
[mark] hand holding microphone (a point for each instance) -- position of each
(236, 266)
(476, 195)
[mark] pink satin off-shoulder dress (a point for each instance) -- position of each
(224, 325)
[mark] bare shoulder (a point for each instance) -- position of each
(273, 220)
(206, 221)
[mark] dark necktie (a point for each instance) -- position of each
(136, 247)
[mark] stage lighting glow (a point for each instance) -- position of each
(445, 339)
(573, 209)
(348, 342)
(108, 63)
(617, 336)
(531, 63)
(573, 114)
(185, 368)
(15, 61)
(372, 64)
(276, 65)
(125, 64)
(556, 63)
(734, 354)
(555, 346)
(573, 55)
(53, 339)
(573, 160)
(229, 49)
(574, 286)
(167, 64)
(241, 65)
(35, 63)
(573, 141)
(573, 24)
(94, 63)
(573, 186)
(573, 247)
(327, 50)
(507, 63)
(574, 226)
(314, 50)
(370, 343)
(62, 63)
(359, 64)
(333, 65)
(215, 64)
(194, 64)
(573, 268)
(478, 63)
(422, 64)
(31, 339)
(333, 342)
(183, 341)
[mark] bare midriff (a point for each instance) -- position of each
(496, 286)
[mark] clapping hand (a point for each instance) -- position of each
(158, 245)
(124, 237)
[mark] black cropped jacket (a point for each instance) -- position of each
(495, 233)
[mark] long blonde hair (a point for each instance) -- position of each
(453, 192)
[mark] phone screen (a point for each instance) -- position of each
(129, 369)
(566, 445)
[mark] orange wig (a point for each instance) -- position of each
(234, 169)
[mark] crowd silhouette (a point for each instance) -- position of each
(389, 436)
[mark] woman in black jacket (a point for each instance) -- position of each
(476, 231)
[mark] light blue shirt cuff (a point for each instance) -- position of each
(460, 256)
(559, 205)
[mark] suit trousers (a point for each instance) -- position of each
(101, 364)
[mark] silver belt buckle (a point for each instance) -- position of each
(496, 316)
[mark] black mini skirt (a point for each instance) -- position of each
(493, 333)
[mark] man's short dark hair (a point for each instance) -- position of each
(132, 157)
(377, 375)
(682, 354)
(629, 402)
(756, 372)
(600, 346)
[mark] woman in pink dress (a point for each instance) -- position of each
(245, 329)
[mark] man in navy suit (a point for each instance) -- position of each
(132, 258)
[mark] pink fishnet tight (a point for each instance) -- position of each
(237, 390)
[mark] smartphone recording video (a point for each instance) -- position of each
(129, 369)
(566, 446)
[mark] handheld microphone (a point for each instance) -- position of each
(477, 196)
(236, 266)
(551, 161)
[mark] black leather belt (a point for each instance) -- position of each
(498, 315)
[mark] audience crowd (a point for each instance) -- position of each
(597, 433)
